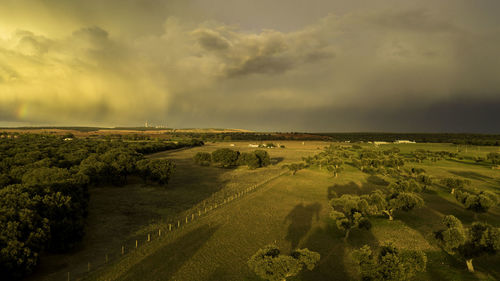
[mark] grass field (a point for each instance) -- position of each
(291, 211)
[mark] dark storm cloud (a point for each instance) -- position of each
(211, 41)
(262, 65)
(320, 65)
(93, 34)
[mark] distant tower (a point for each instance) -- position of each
(146, 124)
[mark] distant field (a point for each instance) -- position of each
(290, 210)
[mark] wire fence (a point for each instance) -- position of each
(163, 229)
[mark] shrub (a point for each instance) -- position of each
(202, 158)
(225, 157)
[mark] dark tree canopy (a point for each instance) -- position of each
(202, 158)
(225, 157)
(477, 203)
(478, 240)
(269, 264)
(389, 263)
(44, 194)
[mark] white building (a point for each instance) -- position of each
(403, 141)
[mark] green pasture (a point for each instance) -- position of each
(291, 211)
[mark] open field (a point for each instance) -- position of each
(291, 211)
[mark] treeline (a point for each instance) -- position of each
(226, 158)
(462, 139)
(44, 193)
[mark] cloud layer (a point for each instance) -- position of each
(399, 69)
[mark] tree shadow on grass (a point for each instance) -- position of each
(469, 162)
(163, 263)
(470, 175)
(277, 160)
(376, 180)
(301, 219)
(328, 242)
(352, 188)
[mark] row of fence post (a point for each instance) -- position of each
(211, 207)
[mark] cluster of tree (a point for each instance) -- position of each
(387, 162)
(477, 202)
(389, 263)
(44, 194)
(332, 159)
(269, 264)
(419, 155)
(294, 167)
(468, 243)
(454, 183)
(353, 211)
(226, 158)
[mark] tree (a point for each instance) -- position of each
(405, 186)
(334, 165)
(424, 180)
(349, 212)
(294, 167)
(389, 263)
(480, 239)
(405, 201)
(225, 157)
(202, 158)
(477, 203)
(157, 170)
(454, 183)
(269, 264)
(249, 159)
(264, 158)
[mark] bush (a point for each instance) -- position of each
(264, 159)
(157, 170)
(202, 158)
(225, 157)
(249, 159)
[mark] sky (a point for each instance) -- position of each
(264, 65)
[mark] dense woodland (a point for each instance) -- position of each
(44, 195)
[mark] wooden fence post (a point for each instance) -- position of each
(178, 224)
(169, 227)
(136, 244)
(192, 217)
(159, 232)
(149, 237)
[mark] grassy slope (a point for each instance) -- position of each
(291, 211)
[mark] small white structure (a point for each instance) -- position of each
(377, 143)
(403, 141)
(68, 139)
(231, 144)
(253, 145)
